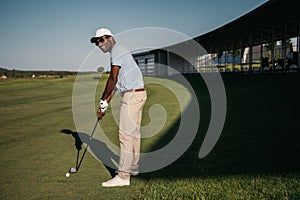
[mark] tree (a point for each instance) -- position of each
(269, 47)
(13, 73)
(100, 69)
(234, 54)
(219, 55)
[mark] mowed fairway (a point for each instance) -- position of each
(256, 157)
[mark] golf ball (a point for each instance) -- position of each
(67, 174)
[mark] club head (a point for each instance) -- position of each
(72, 170)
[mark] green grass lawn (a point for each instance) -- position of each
(256, 157)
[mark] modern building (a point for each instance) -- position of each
(245, 44)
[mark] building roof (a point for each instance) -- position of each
(268, 22)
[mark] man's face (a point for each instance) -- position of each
(105, 43)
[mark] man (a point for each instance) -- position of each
(126, 78)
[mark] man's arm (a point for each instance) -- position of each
(108, 99)
(109, 88)
(111, 83)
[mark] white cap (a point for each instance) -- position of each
(101, 32)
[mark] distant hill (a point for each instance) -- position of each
(34, 74)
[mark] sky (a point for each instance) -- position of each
(55, 35)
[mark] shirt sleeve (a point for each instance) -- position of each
(117, 56)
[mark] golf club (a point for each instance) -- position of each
(77, 166)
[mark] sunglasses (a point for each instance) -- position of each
(101, 39)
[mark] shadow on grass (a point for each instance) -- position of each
(100, 149)
(260, 135)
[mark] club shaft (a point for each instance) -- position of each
(88, 144)
(77, 158)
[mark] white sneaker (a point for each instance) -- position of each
(116, 181)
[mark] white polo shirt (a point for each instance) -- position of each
(130, 76)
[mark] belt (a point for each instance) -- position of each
(135, 90)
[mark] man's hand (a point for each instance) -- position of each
(100, 114)
(103, 105)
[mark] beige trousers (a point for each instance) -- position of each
(132, 105)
